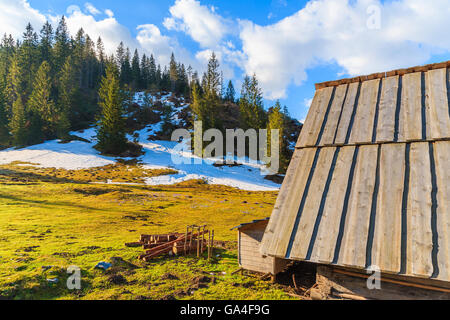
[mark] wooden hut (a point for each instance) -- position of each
(249, 239)
(369, 186)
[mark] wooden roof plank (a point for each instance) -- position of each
(365, 113)
(311, 208)
(282, 200)
(311, 127)
(323, 251)
(346, 114)
(437, 115)
(279, 239)
(442, 165)
(419, 234)
(386, 250)
(410, 122)
(386, 111)
(329, 132)
(356, 227)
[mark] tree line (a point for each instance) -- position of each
(52, 83)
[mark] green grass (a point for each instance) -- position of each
(54, 218)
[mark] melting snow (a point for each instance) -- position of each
(158, 154)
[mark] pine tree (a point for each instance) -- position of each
(18, 124)
(251, 105)
(4, 130)
(66, 102)
(120, 56)
(136, 79)
(28, 58)
(7, 51)
(41, 104)
(46, 43)
(111, 132)
(61, 49)
(125, 69)
(145, 72)
(212, 78)
(230, 93)
(14, 84)
(277, 120)
(173, 73)
(153, 81)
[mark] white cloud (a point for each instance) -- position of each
(307, 102)
(109, 29)
(200, 22)
(91, 9)
(109, 13)
(335, 31)
(15, 15)
(151, 39)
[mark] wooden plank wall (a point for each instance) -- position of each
(250, 258)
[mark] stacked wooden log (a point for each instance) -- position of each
(197, 239)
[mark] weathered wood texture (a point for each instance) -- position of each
(409, 107)
(250, 258)
(365, 113)
(369, 180)
(279, 230)
(331, 282)
(386, 110)
(314, 120)
(442, 165)
(356, 227)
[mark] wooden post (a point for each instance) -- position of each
(185, 239)
(209, 245)
(190, 238)
(203, 239)
(198, 243)
(212, 243)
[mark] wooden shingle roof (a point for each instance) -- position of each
(369, 181)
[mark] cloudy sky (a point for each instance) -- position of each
(289, 44)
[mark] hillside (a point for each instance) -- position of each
(80, 153)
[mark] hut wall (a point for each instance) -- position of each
(250, 258)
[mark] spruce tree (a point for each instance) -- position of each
(66, 101)
(277, 120)
(14, 84)
(7, 51)
(4, 130)
(18, 124)
(46, 43)
(136, 79)
(41, 103)
(101, 56)
(173, 73)
(61, 49)
(111, 131)
(230, 93)
(212, 78)
(153, 81)
(251, 105)
(28, 58)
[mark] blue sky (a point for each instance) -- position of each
(289, 44)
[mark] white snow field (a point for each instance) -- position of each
(158, 154)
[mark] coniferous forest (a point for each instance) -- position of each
(52, 83)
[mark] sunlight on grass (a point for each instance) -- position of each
(50, 219)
